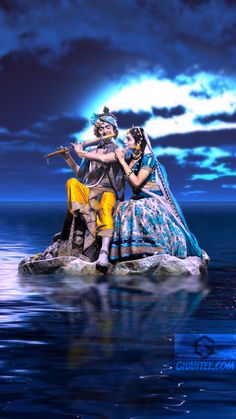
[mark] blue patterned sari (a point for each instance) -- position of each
(148, 225)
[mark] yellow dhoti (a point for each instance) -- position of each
(91, 207)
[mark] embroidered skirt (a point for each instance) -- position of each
(144, 227)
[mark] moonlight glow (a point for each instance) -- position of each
(200, 95)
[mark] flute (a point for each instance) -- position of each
(85, 144)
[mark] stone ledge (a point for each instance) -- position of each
(30, 266)
(160, 265)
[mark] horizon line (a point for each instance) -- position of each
(65, 202)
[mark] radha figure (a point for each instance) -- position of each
(152, 221)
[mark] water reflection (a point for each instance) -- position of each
(110, 348)
(104, 345)
(135, 303)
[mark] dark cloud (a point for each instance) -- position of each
(11, 6)
(178, 176)
(217, 138)
(169, 112)
(30, 90)
(176, 34)
(42, 136)
(127, 119)
(228, 162)
(61, 125)
(55, 55)
(224, 117)
(200, 95)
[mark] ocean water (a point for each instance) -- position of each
(79, 347)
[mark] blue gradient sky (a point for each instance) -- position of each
(166, 65)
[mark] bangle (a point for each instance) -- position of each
(128, 174)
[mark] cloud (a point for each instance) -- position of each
(204, 158)
(4, 131)
(220, 170)
(176, 34)
(211, 154)
(193, 193)
(63, 124)
(44, 135)
(168, 107)
(228, 186)
(25, 133)
(62, 170)
(169, 112)
(224, 138)
(127, 119)
(181, 155)
(20, 145)
(206, 176)
(217, 117)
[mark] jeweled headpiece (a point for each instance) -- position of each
(106, 116)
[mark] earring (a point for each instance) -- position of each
(137, 152)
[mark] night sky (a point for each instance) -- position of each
(167, 65)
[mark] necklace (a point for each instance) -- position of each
(134, 162)
(136, 156)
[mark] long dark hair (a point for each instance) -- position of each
(139, 138)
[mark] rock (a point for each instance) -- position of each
(162, 265)
(68, 257)
(79, 266)
(56, 255)
(159, 265)
(61, 265)
(192, 265)
(205, 257)
(32, 265)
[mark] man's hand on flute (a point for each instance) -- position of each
(78, 148)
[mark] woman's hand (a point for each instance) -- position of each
(120, 154)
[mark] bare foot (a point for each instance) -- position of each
(102, 262)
